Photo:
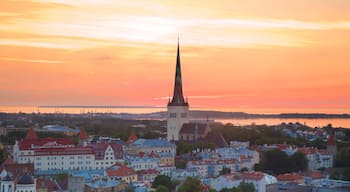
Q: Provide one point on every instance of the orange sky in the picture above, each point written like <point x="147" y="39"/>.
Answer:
<point x="234" y="53"/>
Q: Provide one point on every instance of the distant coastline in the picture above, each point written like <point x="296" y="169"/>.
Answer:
<point x="98" y="106"/>
<point x="243" y="115"/>
<point x="160" y="112"/>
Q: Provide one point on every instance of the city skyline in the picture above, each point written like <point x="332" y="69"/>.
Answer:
<point x="234" y="54"/>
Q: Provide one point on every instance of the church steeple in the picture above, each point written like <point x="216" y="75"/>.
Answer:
<point x="178" y="98"/>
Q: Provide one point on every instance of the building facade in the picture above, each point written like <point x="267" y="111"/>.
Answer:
<point x="178" y="108"/>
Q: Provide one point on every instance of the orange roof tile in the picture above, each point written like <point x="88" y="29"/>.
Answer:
<point x="8" y="161"/>
<point x="83" y="134"/>
<point x="132" y="137"/>
<point x="289" y="177"/>
<point x="31" y="134"/>
<point x="119" y="170"/>
<point x="252" y="175"/>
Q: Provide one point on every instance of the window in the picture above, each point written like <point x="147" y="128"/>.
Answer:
<point x="172" y="115"/>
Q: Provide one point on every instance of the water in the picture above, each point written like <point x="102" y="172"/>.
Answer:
<point x="79" y="110"/>
<point x="141" y="109"/>
<point x="344" y="123"/>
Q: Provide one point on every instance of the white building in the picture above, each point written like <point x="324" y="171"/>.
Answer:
<point x="142" y="163"/>
<point x="234" y="179"/>
<point x="54" y="155"/>
<point x="182" y="174"/>
<point x="317" y="158"/>
<point x="212" y="167"/>
<point x="25" y="183"/>
<point x="247" y="158"/>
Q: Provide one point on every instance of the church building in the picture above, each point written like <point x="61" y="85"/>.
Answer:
<point x="179" y="126"/>
<point x="177" y="107"/>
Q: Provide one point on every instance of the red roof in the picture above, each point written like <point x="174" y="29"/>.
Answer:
<point x="149" y="171"/>
<point x="331" y="140"/>
<point x="132" y="137"/>
<point x="64" y="151"/>
<point x="283" y="146"/>
<point x="211" y="161"/>
<point x="323" y="152"/>
<point x="31" y="134"/>
<point x="8" y="161"/>
<point x="252" y="175"/>
<point x="100" y="149"/>
<point x="307" y="150"/>
<point x="28" y="144"/>
<point x="119" y="170"/>
<point x="315" y="174"/>
<point x="232" y="177"/>
<point x="192" y="128"/>
<point x="289" y="177"/>
<point x="83" y="135"/>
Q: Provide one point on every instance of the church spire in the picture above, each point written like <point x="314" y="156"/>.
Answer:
<point x="178" y="98"/>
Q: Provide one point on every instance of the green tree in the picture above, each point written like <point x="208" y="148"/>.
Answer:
<point x="298" y="162"/>
<point x="343" y="158"/>
<point x="246" y="187"/>
<point x="162" y="180"/>
<point x="225" y="171"/>
<point x="162" y="188"/>
<point x="191" y="184"/>
<point x="259" y="167"/>
<point x="180" y="164"/>
<point x="183" y="148"/>
<point x="244" y="169"/>
<point x="2" y="156"/>
<point x="129" y="189"/>
<point x="276" y="161"/>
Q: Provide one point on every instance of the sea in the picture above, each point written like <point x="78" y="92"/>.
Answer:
<point x="336" y="122"/>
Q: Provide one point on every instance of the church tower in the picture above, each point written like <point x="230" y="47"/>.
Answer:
<point x="177" y="107"/>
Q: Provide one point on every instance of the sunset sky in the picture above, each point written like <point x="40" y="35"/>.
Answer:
<point x="234" y="53"/>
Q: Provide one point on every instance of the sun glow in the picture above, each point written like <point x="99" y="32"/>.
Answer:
<point x="233" y="53"/>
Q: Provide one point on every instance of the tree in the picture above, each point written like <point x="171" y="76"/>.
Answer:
<point x="180" y="164"/>
<point x="276" y="161"/>
<point x="162" y="180"/>
<point x="183" y="148"/>
<point x="225" y="171"/>
<point x="246" y="187"/>
<point x="2" y="156"/>
<point x="162" y="188"/>
<point x="129" y="189"/>
<point x="191" y="184"/>
<point x="259" y="167"/>
<point x="244" y="169"/>
<point x="343" y="158"/>
<point x="298" y="162"/>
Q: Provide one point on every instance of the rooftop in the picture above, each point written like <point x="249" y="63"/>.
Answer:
<point x="153" y="143"/>
<point x="119" y="170"/>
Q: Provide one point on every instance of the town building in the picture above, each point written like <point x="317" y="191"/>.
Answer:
<point x="212" y="167"/>
<point x="182" y="174"/>
<point x="148" y="175"/>
<point x="178" y="108"/>
<point x="122" y="172"/>
<point x="163" y="148"/>
<point x="233" y="180"/>
<point x="56" y="155"/>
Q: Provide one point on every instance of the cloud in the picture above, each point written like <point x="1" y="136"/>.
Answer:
<point x="206" y="96"/>
<point x="87" y="28"/>
<point x="31" y="60"/>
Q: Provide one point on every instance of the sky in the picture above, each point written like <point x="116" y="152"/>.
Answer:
<point x="234" y="53"/>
